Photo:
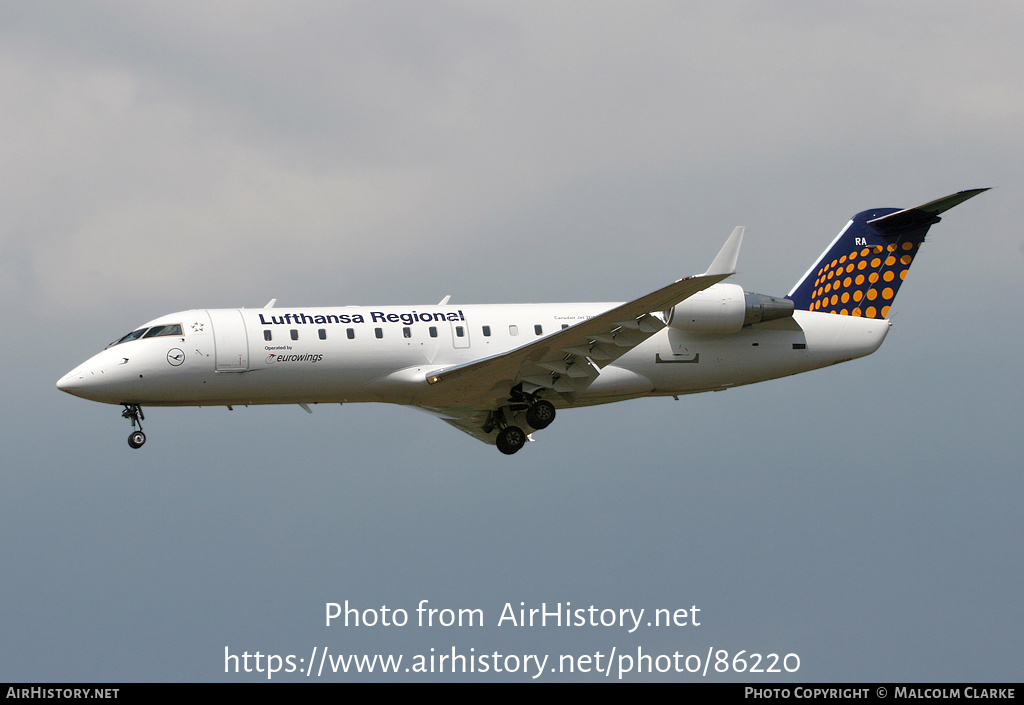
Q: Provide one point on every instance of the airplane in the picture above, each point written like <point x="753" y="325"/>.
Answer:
<point x="501" y="372"/>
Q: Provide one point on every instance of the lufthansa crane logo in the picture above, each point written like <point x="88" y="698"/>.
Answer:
<point x="175" y="356"/>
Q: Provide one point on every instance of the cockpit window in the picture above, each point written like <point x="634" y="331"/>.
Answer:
<point x="171" y="329"/>
<point x="156" y="331"/>
<point x="134" y="335"/>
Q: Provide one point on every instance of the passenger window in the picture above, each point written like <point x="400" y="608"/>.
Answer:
<point x="433" y="331"/>
<point x="322" y="333"/>
<point x="407" y="332"/>
<point x="487" y="331"/>
<point x="351" y="333"/>
<point x="379" y="332"/>
<point x="460" y="332"/>
<point x="539" y="330"/>
<point x="564" y="326"/>
<point x="295" y="334"/>
<point x="268" y="335"/>
<point x="513" y="330"/>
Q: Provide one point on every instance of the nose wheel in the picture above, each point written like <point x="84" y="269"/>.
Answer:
<point x="133" y="412"/>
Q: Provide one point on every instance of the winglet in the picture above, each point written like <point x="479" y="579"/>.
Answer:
<point x="725" y="262"/>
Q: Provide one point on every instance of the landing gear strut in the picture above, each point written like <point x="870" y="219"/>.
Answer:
<point x="133" y="412"/>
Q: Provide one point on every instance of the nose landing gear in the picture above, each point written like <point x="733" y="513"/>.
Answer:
<point x="133" y="412"/>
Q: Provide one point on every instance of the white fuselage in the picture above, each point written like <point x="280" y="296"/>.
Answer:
<point x="384" y="354"/>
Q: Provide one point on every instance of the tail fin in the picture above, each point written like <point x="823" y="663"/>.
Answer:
<point x="861" y="271"/>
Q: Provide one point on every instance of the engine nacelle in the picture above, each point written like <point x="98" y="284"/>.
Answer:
<point x="726" y="308"/>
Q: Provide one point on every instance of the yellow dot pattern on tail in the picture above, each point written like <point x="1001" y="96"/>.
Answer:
<point x="864" y="281"/>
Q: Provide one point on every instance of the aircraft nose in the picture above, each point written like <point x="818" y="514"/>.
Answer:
<point x="73" y="382"/>
<point x="87" y="381"/>
<point x="101" y="378"/>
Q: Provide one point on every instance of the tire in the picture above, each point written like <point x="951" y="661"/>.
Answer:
<point x="136" y="439"/>
<point x="511" y="439"/>
<point x="541" y="414"/>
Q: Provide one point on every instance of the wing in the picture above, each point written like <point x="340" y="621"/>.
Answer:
<point x="567" y="361"/>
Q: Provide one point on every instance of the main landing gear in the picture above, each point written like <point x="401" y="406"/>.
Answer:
<point x="134" y="413"/>
<point x="539" y="414"/>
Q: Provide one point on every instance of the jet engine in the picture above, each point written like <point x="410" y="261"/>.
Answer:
<point x="726" y="308"/>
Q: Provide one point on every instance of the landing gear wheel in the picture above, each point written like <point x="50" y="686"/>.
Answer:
<point x="133" y="412"/>
<point x="511" y="439"/>
<point x="541" y="414"/>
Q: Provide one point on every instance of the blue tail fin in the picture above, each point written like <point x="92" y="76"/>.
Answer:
<point x="861" y="271"/>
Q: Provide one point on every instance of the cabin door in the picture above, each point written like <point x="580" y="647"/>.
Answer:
<point x="230" y="340"/>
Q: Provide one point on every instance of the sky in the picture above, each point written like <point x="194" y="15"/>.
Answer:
<point x="158" y="157"/>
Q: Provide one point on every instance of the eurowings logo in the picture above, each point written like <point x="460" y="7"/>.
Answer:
<point x="273" y="358"/>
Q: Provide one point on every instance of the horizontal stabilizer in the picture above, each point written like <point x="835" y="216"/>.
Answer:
<point x="928" y="214"/>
